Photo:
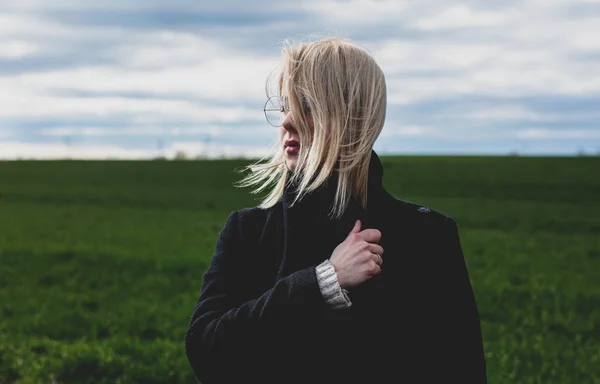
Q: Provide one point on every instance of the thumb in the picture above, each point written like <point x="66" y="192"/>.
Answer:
<point x="356" y="228"/>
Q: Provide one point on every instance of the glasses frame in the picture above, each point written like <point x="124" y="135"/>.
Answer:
<point x="265" y="109"/>
<point x="305" y="106"/>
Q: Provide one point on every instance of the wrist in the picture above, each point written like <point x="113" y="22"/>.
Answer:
<point x="334" y="295"/>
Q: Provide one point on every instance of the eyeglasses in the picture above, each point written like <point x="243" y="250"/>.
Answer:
<point x="276" y="108"/>
<point x="274" y="111"/>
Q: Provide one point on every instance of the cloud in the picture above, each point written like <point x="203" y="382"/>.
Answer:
<point x="399" y="131"/>
<point x="457" y="70"/>
<point x="17" y="49"/>
<point x="45" y="151"/>
<point x="549" y="134"/>
<point x="35" y="107"/>
<point x="176" y="68"/>
<point x="461" y="16"/>
<point x="137" y="5"/>
<point x="514" y="112"/>
<point x="455" y="48"/>
<point x="361" y="12"/>
<point x="157" y="131"/>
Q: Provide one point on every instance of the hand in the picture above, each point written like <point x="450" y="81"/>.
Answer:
<point x="355" y="259"/>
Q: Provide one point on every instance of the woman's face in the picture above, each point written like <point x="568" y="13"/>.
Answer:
<point x="290" y="140"/>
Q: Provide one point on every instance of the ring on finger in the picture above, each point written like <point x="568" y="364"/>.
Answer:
<point x="379" y="259"/>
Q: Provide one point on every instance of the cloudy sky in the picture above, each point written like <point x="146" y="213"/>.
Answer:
<point x="140" y="78"/>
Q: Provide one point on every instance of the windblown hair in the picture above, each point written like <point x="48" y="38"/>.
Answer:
<point x="346" y="93"/>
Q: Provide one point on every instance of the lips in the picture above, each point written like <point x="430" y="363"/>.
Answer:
<point x="291" y="147"/>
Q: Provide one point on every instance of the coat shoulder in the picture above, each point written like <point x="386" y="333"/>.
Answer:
<point x="426" y="231"/>
<point x="414" y="213"/>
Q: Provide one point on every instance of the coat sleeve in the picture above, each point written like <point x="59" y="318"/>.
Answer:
<point x="461" y="353"/>
<point x="227" y="330"/>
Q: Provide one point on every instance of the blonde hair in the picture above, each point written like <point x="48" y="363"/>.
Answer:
<point x="346" y="91"/>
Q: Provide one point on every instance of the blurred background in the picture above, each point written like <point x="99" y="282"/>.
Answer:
<point x="124" y="124"/>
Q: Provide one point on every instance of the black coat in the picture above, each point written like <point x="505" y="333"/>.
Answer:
<point x="261" y="318"/>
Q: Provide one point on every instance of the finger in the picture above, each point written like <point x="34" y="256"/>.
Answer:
<point x="370" y="235"/>
<point x="374" y="270"/>
<point x="377" y="269"/>
<point x="356" y="228"/>
<point x="377" y="258"/>
<point x="375" y="248"/>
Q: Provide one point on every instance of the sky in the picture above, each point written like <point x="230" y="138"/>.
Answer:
<point x="147" y="78"/>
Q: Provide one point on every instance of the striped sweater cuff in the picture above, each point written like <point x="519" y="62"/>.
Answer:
<point x="334" y="295"/>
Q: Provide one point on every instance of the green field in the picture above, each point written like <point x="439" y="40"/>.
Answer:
<point x="101" y="262"/>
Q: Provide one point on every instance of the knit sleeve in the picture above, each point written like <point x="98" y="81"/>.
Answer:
<point x="335" y="296"/>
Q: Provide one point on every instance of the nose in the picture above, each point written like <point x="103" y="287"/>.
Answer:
<point x="288" y="122"/>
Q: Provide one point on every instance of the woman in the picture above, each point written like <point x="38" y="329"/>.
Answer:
<point x="298" y="289"/>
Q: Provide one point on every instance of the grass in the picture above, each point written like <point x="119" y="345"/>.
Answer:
<point x="101" y="262"/>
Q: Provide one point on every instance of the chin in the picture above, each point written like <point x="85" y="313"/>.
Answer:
<point x="291" y="164"/>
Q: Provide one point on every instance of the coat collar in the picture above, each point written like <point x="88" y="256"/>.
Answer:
<point x="318" y="203"/>
<point x="309" y="234"/>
